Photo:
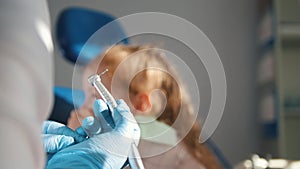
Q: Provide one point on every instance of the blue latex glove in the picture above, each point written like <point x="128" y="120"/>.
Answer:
<point x="103" y="121"/>
<point x="107" y="150"/>
<point x="57" y="136"/>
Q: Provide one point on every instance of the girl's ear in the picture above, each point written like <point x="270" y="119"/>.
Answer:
<point x="142" y="102"/>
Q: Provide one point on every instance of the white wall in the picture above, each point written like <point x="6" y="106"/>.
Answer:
<point x="230" y="25"/>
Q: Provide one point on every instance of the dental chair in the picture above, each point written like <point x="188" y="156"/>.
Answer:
<point x="76" y="25"/>
<point x="71" y="38"/>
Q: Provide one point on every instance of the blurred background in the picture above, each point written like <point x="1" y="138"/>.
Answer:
<point x="259" y="45"/>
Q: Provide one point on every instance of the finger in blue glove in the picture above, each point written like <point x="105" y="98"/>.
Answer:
<point x="52" y="127"/>
<point x="104" y="115"/>
<point x="91" y="126"/>
<point x="125" y="121"/>
<point x="101" y="123"/>
<point x="53" y="143"/>
<point x="81" y="132"/>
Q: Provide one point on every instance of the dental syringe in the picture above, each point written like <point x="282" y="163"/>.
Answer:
<point x="95" y="80"/>
<point x="135" y="160"/>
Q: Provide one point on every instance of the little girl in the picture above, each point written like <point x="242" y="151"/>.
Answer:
<point x="169" y="132"/>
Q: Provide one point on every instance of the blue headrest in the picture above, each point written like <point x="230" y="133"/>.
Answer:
<point x="68" y="94"/>
<point x="76" y="25"/>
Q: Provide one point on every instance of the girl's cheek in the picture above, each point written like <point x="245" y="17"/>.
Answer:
<point x="73" y="121"/>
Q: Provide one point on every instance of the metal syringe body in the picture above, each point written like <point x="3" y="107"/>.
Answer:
<point x="95" y="80"/>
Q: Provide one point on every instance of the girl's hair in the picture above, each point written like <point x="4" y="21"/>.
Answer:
<point x="160" y="77"/>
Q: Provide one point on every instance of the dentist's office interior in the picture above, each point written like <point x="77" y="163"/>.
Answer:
<point x="152" y="84"/>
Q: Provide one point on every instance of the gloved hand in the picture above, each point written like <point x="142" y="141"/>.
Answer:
<point x="107" y="150"/>
<point x="57" y="136"/>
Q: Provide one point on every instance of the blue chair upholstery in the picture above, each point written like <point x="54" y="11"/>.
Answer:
<point x="72" y="96"/>
<point x="76" y="25"/>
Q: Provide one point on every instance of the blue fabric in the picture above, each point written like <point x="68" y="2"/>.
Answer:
<point x="89" y="52"/>
<point x="76" y="25"/>
<point x="72" y="96"/>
